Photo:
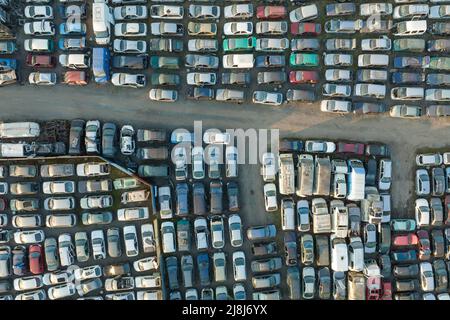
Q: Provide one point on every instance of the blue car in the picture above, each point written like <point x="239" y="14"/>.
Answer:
<point x="66" y="29"/>
<point x="203" y="269"/>
<point x="409" y="62"/>
<point x="8" y="64"/>
<point x="407" y="77"/>
<point x="404" y="256"/>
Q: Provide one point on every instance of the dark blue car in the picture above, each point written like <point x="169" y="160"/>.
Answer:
<point x="203" y="269"/>
<point x="407" y="77"/>
<point x="404" y="256"/>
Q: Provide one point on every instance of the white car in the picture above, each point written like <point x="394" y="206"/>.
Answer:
<point x="439" y="12"/>
<point x="121" y="79"/>
<point x="59" y="277"/>
<point x="98" y="244"/>
<point x="42" y="78"/>
<point x="39" y="28"/>
<point x="130" y="12"/>
<point x="146" y="264"/>
<point x="92" y="169"/>
<point x="337" y="59"/>
<point x="376" y="44"/>
<point x="201" y="78"/>
<point x="168" y="237"/>
<point x="163" y="95"/>
<point x="148" y="237"/>
<point x="217" y="232"/>
<point x="150" y="281"/>
<point x="213" y="159"/>
<point x="428" y="159"/>
<point x="201" y="233"/>
<point x="62" y="291"/>
<point x="32" y="295"/>
<point x="303" y="212"/>
<point x="89" y="272"/>
<point x="338" y="75"/>
<point x="235" y="229"/>
<point x="58" y="187"/>
<point x="127" y="143"/>
<point x="316" y="146"/>
<point x="370" y="238"/>
<point x="377" y="8"/>
<point x="92" y="137"/>
<point x="28" y="283"/>
<point x="304" y="13"/>
<point x="268" y="98"/>
<point x="422" y="212"/>
<point x="129" y="46"/>
<point x="96" y="202"/>
<point x="198" y="164"/>
<point x="167" y="29"/>
<point x="239" y="268"/>
<point x="241" y="11"/>
<point x="237" y="28"/>
<point x="426" y="277"/>
<point x="339" y="254"/>
<point x="407" y="11"/>
<point x="131" y="29"/>
<point x="203" y="45"/>
<point x="287" y="214"/>
<point x="271" y="44"/>
<point x="370" y="90"/>
<point x="268" y="167"/>
<point x="132" y="214"/>
<point x="38" y="12"/>
<point x="336" y="90"/>
<point x="29" y="237"/>
<point x="197" y="11"/>
<point x="179" y="157"/>
<point x="162" y="11"/>
<point x="270" y="197"/>
<point x="213" y="137"/>
<point x="131" y="241"/>
<point x="336" y="106"/>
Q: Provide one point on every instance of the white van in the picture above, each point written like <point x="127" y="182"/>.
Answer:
<point x="385" y="174"/>
<point x="19" y="130"/>
<point x="238" y="61"/>
<point x="356" y="180"/>
<point x="408" y="28"/>
<point x="102" y="19"/>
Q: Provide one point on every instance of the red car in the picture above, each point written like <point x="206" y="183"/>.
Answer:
<point x="424" y="245"/>
<point x="303" y="77"/>
<point x="35" y="258"/>
<point x="40" y="61"/>
<point x="350" y="147"/>
<point x="409" y="239"/>
<point x="373" y="285"/>
<point x="387" y="290"/>
<point x="271" y="12"/>
<point x="310" y="28"/>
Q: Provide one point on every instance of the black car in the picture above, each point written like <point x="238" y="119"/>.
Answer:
<point x="200" y="93"/>
<point x="371" y="172"/>
<point x="406" y="271"/>
<point x="295" y="95"/>
<point x="166" y="45"/>
<point x="199" y="198"/>
<point x="369" y="108"/>
<point x="270" y="61"/>
<point x="377" y="150"/>
<point x="233" y="196"/>
<point x="440" y="276"/>
<point x="130" y="62"/>
<point x="172" y="272"/>
<point x="437" y="243"/>
<point x="286" y="145"/>
<point x="237" y="78"/>
<point x="75" y="136"/>
<point x="182" y="191"/>
<point x="271" y="77"/>
<point x="262" y="249"/>
<point x="324" y="283"/>
<point x="290" y="248"/>
<point x="407" y="77"/>
<point x="385" y="265"/>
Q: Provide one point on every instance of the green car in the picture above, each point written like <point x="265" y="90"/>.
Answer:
<point x="164" y="62"/>
<point x="304" y="60"/>
<point x="440" y="63"/>
<point x="239" y="44"/>
<point x="126" y="183"/>
<point x="403" y="225"/>
<point x="415" y="45"/>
